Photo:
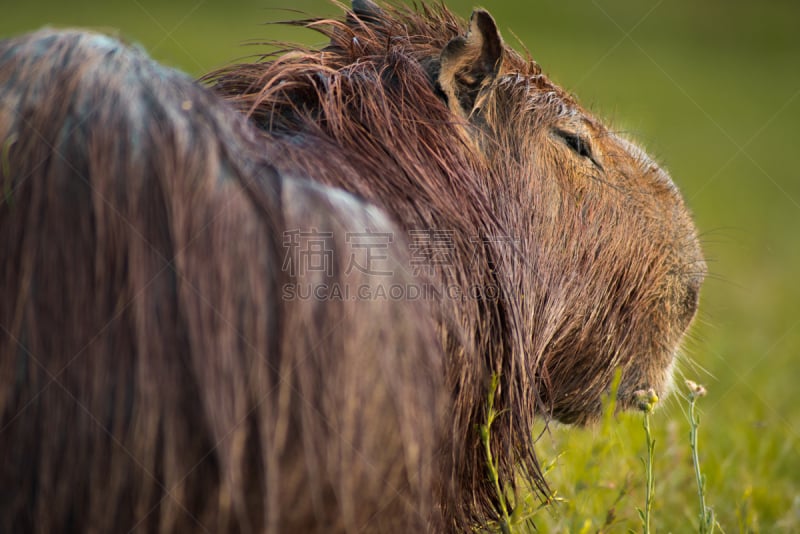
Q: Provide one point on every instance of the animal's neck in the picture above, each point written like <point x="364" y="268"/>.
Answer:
<point x="410" y="157"/>
<point x="405" y="167"/>
<point x="396" y="144"/>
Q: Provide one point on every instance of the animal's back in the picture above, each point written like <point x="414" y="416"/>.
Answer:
<point x="153" y="377"/>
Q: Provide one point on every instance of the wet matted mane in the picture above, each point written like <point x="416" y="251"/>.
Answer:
<point x="586" y="240"/>
<point x="152" y="377"/>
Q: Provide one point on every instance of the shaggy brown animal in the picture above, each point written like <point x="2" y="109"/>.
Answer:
<point x="152" y="379"/>
<point x="585" y="237"/>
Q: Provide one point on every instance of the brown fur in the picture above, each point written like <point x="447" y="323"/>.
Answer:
<point x="152" y="379"/>
<point x="450" y="129"/>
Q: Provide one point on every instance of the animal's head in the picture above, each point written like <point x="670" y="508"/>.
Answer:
<point x="442" y="123"/>
<point x="610" y="265"/>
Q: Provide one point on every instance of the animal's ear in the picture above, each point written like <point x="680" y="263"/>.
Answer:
<point x="469" y="64"/>
<point x="367" y="10"/>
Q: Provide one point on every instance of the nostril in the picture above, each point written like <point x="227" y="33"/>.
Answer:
<point x="691" y="299"/>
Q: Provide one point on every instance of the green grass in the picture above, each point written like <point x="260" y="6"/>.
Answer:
<point x="710" y="88"/>
<point x="602" y="489"/>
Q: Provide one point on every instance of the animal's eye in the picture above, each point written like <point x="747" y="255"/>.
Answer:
<point x="578" y="144"/>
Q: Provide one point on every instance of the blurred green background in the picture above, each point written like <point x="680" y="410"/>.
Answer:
<point x="712" y="89"/>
